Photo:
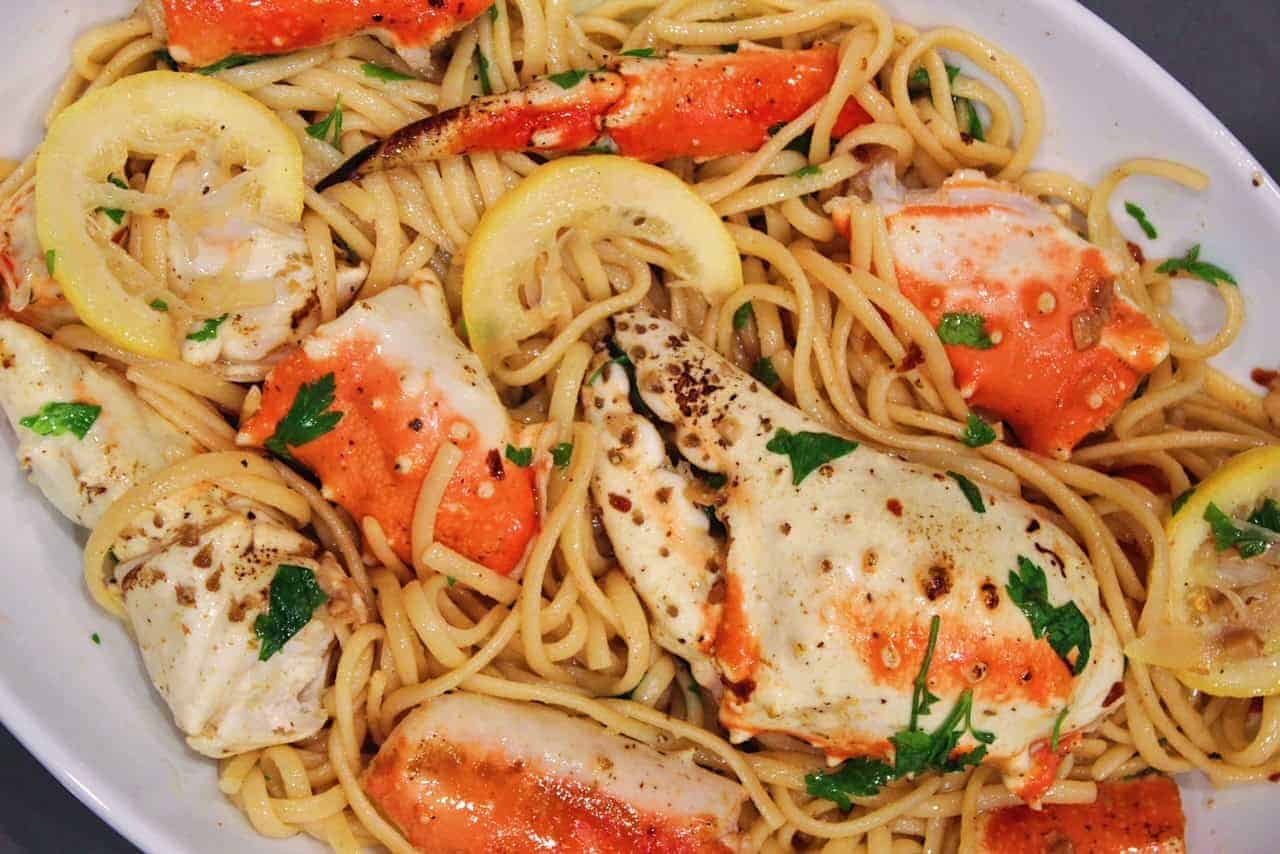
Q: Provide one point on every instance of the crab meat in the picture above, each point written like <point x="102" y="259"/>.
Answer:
<point x="201" y="32"/>
<point x="196" y="575"/>
<point x="1134" y="815"/>
<point x="30" y="294"/>
<point x="830" y="586"/>
<point x="1066" y="349"/>
<point x="652" y="109"/>
<point x="405" y="386"/>
<point x="127" y="441"/>
<point x="469" y="773"/>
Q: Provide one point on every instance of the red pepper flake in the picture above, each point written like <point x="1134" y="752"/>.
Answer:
<point x="1264" y="376"/>
<point x="619" y="502"/>
<point x="895" y="506"/>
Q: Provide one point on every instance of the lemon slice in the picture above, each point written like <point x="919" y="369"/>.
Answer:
<point x="1237" y="489"/>
<point x="147" y="114"/>
<point x="610" y="196"/>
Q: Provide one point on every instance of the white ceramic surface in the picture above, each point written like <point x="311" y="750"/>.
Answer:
<point x="88" y="712"/>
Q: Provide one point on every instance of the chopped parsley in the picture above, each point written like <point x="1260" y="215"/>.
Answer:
<point x="604" y="146"/>
<point x="977" y="432"/>
<point x="166" y="58"/>
<point x="208" y="330"/>
<point x="766" y="373"/>
<point x="861" y="777"/>
<point x="308" y="418"/>
<point x="808" y="451"/>
<point x="235" y="60"/>
<point x="800" y="144"/>
<point x="619" y="357"/>
<point x="51" y="260"/>
<point x="805" y="171"/>
<point x="94" y="637"/>
<point x="568" y="79"/>
<point x="295" y="595"/>
<point x="643" y="52"/>
<point x="1141" y="216"/>
<point x="562" y="454"/>
<point x="970" y="122"/>
<point x="381" y="72"/>
<point x="482" y="62"/>
<point x="1181" y="500"/>
<point x="742" y="315"/>
<point x="919" y="84"/>
<point x="329" y="129"/>
<point x="159" y="304"/>
<point x="54" y="419"/>
<point x="522" y="457"/>
<point x="1193" y="266"/>
<point x="965" y="330"/>
<point x="1064" y="625"/>
<point x="970" y="490"/>
<point x="116" y="214"/>
<point x="713" y="479"/>
<point x="1251" y="540"/>
<point x="1057" y="728"/>
<point x="493" y="13"/>
<point x="451" y="580"/>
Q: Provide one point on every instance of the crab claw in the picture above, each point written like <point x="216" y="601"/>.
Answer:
<point x="838" y="560"/>
<point x="1052" y="347"/>
<point x="404" y="386"/>
<point x="201" y="32"/>
<point x="651" y="109"/>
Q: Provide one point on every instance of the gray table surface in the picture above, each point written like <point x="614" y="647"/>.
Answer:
<point x="1227" y="56"/>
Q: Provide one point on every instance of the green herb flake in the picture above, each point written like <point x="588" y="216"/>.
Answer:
<point x="1064" y="625"/>
<point x="1057" y="728"/>
<point x="1267" y="515"/>
<point x="919" y="82"/>
<point x="617" y="356"/>
<point x="208" y="330"/>
<point x="977" y="432"/>
<point x="1193" y="266"/>
<point x="713" y="479"/>
<point x="965" y="330"/>
<point x="482" y="62"/>
<point x="808" y="451"/>
<point x="295" y="595"/>
<point x="308" y="418"/>
<point x="522" y="457"/>
<point x="568" y="79"/>
<point x="766" y="373"/>
<point x="159" y="304"/>
<point x="51" y="260"/>
<point x="451" y="580"/>
<point x="166" y="59"/>
<point x="116" y="215"/>
<point x="97" y="640"/>
<point x="381" y="72"/>
<point x="1250" y="542"/>
<point x="742" y="315"/>
<point x="805" y="171"/>
<point x="1141" y="216"/>
<point x="695" y="689"/>
<point x="970" y="122"/>
<point x="55" y="419"/>
<point x="329" y="129"/>
<point x="642" y="52"/>
<point x="235" y="60"/>
<point x="1181" y="500"/>
<point x="862" y="777"/>
<point x="970" y="490"/>
<point x="493" y="13"/>
<point x="562" y="454"/>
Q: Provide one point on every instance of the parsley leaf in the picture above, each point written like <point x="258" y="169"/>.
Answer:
<point x="94" y="637"/>
<point x="159" y="304"/>
<point x="486" y="85"/>
<point x="804" y="171"/>
<point x="622" y="360"/>
<point x="1181" y="500"/>
<point x="522" y="457"/>
<point x="116" y="214"/>
<point x="562" y="454"/>
<point x="54" y="419"/>
<point x="1193" y="266"/>
<point x="766" y="373"/>
<point x="167" y="59"/>
<point x="1250" y="542"/>
<point x="1141" y="216"/>
<point x="295" y="595"/>
<point x="970" y="490"/>
<point x="859" y="778"/>
<point x="568" y="79"/>
<point x="800" y="144"/>
<point x="713" y="479"/>
<point x="1267" y="515"/>
<point x="381" y="72"/>
<point x="208" y="330"/>
<point x="922" y="699"/>
<point x="644" y="52"/>
<point x="918" y="83"/>
<point x="235" y="60"/>
<point x="977" y="432"/>
<point x="308" y="418"/>
<point x="967" y="116"/>
<point x="329" y="129"/>
<point x="808" y="450"/>
<point x="1057" y="728"/>
<point x="1063" y="625"/>
<point x="451" y="580"/>
<point x="51" y="260"/>
<point x="965" y="330"/>
<point x="743" y="314"/>
<point x="493" y="13"/>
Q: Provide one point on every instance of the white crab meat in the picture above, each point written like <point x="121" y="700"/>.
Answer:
<point x="470" y="773"/>
<point x="193" y="597"/>
<point x="227" y="259"/>
<point x="126" y="442"/>
<point x="30" y="293"/>
<point x="832" y="584"/>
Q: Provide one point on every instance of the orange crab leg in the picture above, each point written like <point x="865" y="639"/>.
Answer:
<point x="202" y="32"/>
<point x="652" y="109"/>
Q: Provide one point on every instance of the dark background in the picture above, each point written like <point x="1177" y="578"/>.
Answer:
<point x="1227" y="56"/>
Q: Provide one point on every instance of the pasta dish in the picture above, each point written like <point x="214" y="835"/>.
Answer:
<point x="627" y="425"/>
